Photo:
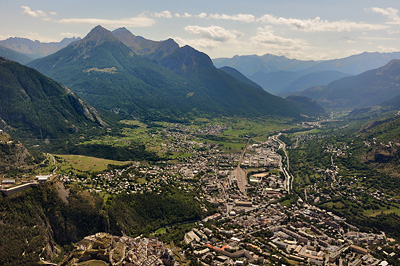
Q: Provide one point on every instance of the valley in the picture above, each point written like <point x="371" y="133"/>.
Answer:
<point x="120" y="150"/>
<point x="249" y="197"/>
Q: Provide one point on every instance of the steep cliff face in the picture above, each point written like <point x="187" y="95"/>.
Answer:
<point x="14" y="156"/>
<point x="37" y="110"/>
<point x="35" y="223"/>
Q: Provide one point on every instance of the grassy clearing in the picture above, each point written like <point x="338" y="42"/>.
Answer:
<point x="259" y="128"/>
<point x="161" y="231"/>
<point x="374" y="213"/>
<point x="311" y="131"/>
<point x="84" y="163"/>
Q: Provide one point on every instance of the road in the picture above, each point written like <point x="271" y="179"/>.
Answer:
<point x="284" y="169"/>
<point x="54" y="162"/>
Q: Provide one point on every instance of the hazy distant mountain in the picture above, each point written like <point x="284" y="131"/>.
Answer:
<point x="110" y="75"/>
<point x="239" y="76"/>
<point x="355" y="64"/>
<point x="275" y="82"/>
<point x="369" y="88"/>
<point x="251" y="64"/>
<point x="33" y="106"/>
<point x="284" y="83"/>
<point x="35" y="49"/>
<point x="280" y="75"/>
<point x="392" y="104"/>
<point x="319" y="78"/>
<point x="310" y="106"/>
<point x="14" y="56"/>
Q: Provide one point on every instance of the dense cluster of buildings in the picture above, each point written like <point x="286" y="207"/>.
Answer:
<point x="274" y="235"/>
<point x="251" y="226"/>
<point x="105" y="249"/>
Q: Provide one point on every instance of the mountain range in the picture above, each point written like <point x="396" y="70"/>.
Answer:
<point x="372" y="87"/>
<point x="283" y="76"/>
<point x="131" y="75"/>
<point x="252" y="64"/>
<point x="35" y="49"/>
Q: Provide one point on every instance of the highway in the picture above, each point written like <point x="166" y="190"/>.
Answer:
<point x="284" y="169"/>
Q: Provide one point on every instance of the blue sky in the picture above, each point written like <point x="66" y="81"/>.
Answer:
<point x="303" y="29"/>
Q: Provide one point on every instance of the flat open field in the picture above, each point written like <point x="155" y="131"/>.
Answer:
<point x="84" y="163"/>
<point x="373" y="213"/>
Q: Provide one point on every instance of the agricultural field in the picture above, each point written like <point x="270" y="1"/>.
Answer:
<point x="384" y="210"/>
<point x="80" y="163"/>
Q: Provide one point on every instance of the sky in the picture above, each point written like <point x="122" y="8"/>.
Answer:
<point x="301" y="29"/>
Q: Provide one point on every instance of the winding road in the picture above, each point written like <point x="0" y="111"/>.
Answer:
<point x="285" y="170"/>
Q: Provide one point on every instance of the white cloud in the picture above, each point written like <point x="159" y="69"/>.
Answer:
<point x="202" y="15"/>
<point x="393" y="31"/>
<point x="185" y="15"/>
<point x="200" y="44"/>
<point x="383" y="49"/>
<point x="391" y="13"/>
<point x="128" y="22"/>
<point x="378" y="38"/>
<point x="239" y="17"/>
<point x="36" y="36"/>
<point x="34" y="14"/>
<point x="215" y="33"/>
<point x="265" y="37"/>
<point x="69" y="35"/>
<point x="163" y="14"/>
<point x="37" y="13"/>
<point x="318" y="24"/>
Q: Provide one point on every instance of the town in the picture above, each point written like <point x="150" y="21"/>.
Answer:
<point x="254" y="224"/>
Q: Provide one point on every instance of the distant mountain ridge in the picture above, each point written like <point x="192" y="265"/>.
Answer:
<point x="235" y="73"/>
<point x="311" y="80"/>
<point x="369" y="88"/>
<point x="308" y="104"/>
<point x="353" y="65"/>
<point x="15" y="56"/>
<point x="158" y="80"/>
<point x="251" y="64"/>
<point x="356" y="64"/>
<point x="35" y="49"/>
<point x="280" y="75"/>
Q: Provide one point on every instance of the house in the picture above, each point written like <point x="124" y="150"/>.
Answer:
<point x="43" y="178"/>
<point x="8" y="182"/>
